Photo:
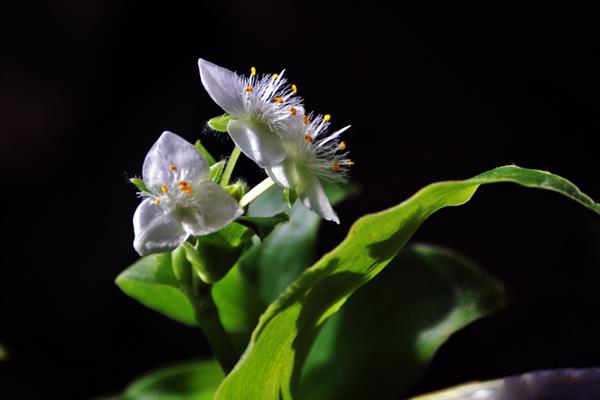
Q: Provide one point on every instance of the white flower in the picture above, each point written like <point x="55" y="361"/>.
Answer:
<point x="182" y="199"/>
<point x="312" y="155"/>
<point x="258" y="106"/>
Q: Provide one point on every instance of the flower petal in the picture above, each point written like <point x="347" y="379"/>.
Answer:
<point x="257" y="141"/>
<point x="156" y="231"/>
<point x="171" y="151"/>
<point x="313" y="196"/>
<point x="213" y="209"/>
<point x="223" y="86"/>
<point x="283" y="174"/>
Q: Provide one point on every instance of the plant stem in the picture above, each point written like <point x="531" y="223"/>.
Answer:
<point x="235" y="154"/>
<point x="256" y="191"/>
<point x="208" y="319"/>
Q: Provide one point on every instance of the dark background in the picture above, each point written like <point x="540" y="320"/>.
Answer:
<point x="434" y="91"/>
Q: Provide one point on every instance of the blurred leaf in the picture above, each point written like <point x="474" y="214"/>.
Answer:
<point x="216" y="171"/>
<point x="189" y="381"/>
<point x="272" y="363"/>
<point x="213" y="255"/>
<point x="381" y="340"/>
<point x="3" y="352"/>
<point x="151" y="281"/>
<point x="262" y="226"/>
<point x="557" y="384"/>
<point x="275" y="262"/>
<point x="239" y="307"/>
<point x="139" y="184"/>
<point x="290" y="196"/>
<point x="200" y="147"/>
<point x="219" y="123"/>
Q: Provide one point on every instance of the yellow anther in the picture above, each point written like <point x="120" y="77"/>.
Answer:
<point x="305" y="119"/>
<point x="248" y="89"/>
<point x="164" y="189"/>
<point x="172" y="167"/>
<point x="294" y="89"/>
<point x="349" y="163"/>
<point x="336" y="166"/>
<point x="326" y="117"/>
<point x="308" y="138"/>
<point x="157" y="201"/>
<point x="252" y="71"/>
<point x="185" y="187"/>
<point x="275" y="76"/>
<point x="278" y="100"/>
<point x="342" y="146"/>
<point x="293" y="111"/>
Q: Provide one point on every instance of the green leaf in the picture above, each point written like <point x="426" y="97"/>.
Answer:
<point x="213" y="255"/>
<point x="219" y="123"/>
<point x="196" y="380"/>
<point x="151" y="281"/>
<point x="572" y="383"/>
<point x="139" y="184"/>
<point x="275" y="262"/>
<point x="239" y="307"/>
<point x="216" y="171"/>
<point x="272" y="363"/>
<point x="382" y="339"/>
<point x="200" y="147"/>
<point x="290" y="196"/>
<point x="262" y="226"/>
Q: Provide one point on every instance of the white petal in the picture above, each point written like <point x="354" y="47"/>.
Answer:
<point x="213" y="209"/>
<point x="156" y="231"/>
<point x="256" y="141"/>
<point x="172" y="150"/>
<point x="313" y="196"/>
<point x="282" y="174"/>
<point x="223" y="86"/>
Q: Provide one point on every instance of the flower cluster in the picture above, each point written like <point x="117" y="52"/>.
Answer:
<point x="269" y="124"/>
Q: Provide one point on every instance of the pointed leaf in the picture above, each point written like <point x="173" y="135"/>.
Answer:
<point x="262" y="226"/>
<point x="272" y="363"/>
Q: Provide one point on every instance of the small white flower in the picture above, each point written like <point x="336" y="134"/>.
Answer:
<point x="258" y="106"/>
<point x="312" y="155"/>
<point x="182" y="199"/>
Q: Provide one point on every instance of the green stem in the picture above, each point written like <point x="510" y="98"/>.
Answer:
<point x="256" y="191"/>
<point x="235" y="154"/>
<point x="208" y="319"/>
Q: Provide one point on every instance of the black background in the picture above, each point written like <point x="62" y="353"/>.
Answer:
<point x="433" y="91"/>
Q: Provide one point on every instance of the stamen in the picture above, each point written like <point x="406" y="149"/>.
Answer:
<point x="326" y="117"/>
<point x="336" y="166"/>
<point x="275" y="76"/>
<point x="293" y="111"/>
<point x="305" y="119"/>
<point x="248" y="89"/>
<point x="349" y="163"/>
<point x="252" y="71"/>
<point x="157" y="201"/>
<point x="278" y="100"/>
<point x="342" y="146"/>
<point x="164" y="189"/>
<point x="308" y="138"/>
<point x="294" y="88"/>
<point x="172" y="167"/>
<point x="185" y="187"/>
